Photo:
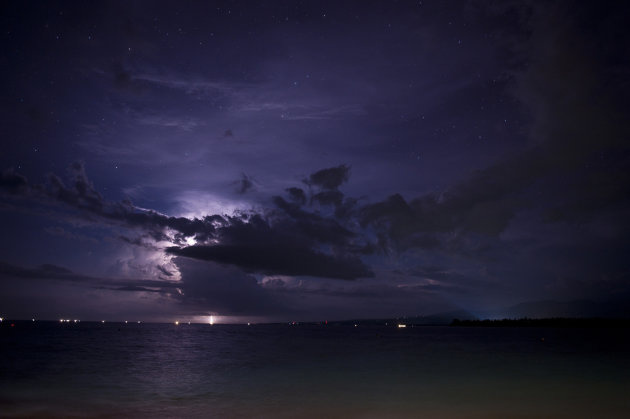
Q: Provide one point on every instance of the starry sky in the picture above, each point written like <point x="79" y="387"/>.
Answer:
<point x="302" y="160"/>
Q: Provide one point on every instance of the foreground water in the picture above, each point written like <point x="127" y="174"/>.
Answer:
<point x="280" y="371"/>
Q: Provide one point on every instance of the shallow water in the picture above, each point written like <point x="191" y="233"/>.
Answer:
<point x="49" y="369"/>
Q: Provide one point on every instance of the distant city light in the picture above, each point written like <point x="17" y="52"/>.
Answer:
<point x="176" y="322"/>
<point x="211" y="320"/>
<point x="102" y="321"/>
<point x="401" y="326"/>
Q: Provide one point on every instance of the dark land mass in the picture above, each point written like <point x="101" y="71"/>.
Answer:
<point x="550" y="322"/>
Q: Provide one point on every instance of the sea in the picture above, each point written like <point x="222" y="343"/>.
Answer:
<point x="118" y="370"/>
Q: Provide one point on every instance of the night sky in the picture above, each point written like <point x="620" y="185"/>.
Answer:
<point x="312" y="160"/>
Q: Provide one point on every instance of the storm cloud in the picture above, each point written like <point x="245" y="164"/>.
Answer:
<point x="325" y="158"/>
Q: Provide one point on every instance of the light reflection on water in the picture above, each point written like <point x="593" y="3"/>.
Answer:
<point x="110" y="370"/>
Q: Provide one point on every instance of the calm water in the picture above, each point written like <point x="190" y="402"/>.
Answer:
<point x="159" y="370"/>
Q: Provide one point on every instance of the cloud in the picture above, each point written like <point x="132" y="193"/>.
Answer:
<point x="577" y="134"/>
<point x="226" y="290"/>
<point x="83" y="196"/>
<point x="266" y="98"/>
<point x="330" y="178"/>
<point x="315" y="112"/>
<point x="46" y="271"/>
<point x="276" y="259"/>
<point x="60" y="232"/>
<point x="189" y="85"/>
<point x="13" y="182"/>
<point x="297" y="195"/>
<point x="164" y="270"/>
<point x="283" y="240"/>
<point x="50" y="291"/>
<point x="50" y="272"/>
<point x="245" y="184"/>
<point x="183" y="123"/>
<point x="133" y="288"/>
<point x="312" y="226"/>
<point x="285" y="244"/>
<point x="327" y="197"/>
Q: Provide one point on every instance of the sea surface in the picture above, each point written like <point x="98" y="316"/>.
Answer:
<point x="50" y="369"/>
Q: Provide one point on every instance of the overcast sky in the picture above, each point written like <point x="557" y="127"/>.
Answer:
<point x="311" y="160"/>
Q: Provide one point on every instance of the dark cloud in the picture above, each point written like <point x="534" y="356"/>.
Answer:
<point x="122" y="77"/>
<point x="312" y="226"/>
<point x="60" y="232"/>
<point x="134" y="288"/>
<point x="50" y="272"/>
<point x="576" y="125"/>
<point x="245" y="184"/>
<point x="286" y="242"/>
<point x="351" y="299"/>
<point x="226" y="290"/>
<point x="594" y="191"/>
<point x="330" y="178"/>
<point x="483" y="204"/>
<point x="46" y="271"/>
<point x="297" y="195"/>
<point x="81" y="193"/>
<point x="83" y="196"/>
<point x="331" y="197"/>
<point x="13" y="182"/>
<point x="275" y="259"/>
<point x="480" y="139"/>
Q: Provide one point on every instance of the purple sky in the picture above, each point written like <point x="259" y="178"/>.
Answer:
<point x="311" y="160"/>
